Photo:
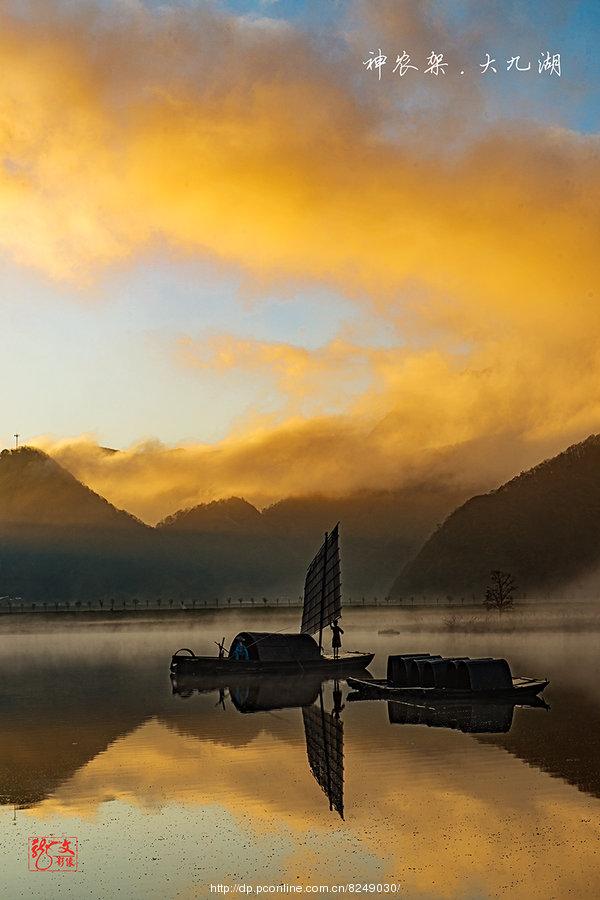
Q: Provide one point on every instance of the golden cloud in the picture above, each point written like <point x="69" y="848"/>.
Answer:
<point x="427" y="417"/>
<point x="244" y="141"/>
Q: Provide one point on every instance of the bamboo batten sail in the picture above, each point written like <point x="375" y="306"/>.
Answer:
<point x="323" y="589"/>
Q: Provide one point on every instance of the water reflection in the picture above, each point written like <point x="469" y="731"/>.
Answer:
<point x="471" y="716"/>
<point x="253" y="693"/>
<point x="81" y="707"/>
<point x="258" y="772"/>
<point x="324" y="731"/>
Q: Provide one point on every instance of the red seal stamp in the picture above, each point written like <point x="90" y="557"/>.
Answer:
<point x="52" y="854"/>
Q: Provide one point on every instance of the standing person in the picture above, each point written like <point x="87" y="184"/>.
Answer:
<point x="336" y="639"/>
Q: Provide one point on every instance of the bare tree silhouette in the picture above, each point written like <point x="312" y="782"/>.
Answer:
<point x="499" y="593"/>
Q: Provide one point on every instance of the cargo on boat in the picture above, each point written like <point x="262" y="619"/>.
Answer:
<point x="253" y="652"/>
<point x="422" y="675"/>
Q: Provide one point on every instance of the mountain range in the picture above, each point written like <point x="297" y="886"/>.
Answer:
<point x="60" y="541"/>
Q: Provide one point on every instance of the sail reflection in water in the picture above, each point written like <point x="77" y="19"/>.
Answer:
<point x="324" y="732"/>
<point x="325" y="748"/>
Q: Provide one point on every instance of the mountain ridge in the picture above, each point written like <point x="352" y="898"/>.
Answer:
<point x="34" y="486"/>
<point x="60" y="539"/>
<point x="540" y="526"/>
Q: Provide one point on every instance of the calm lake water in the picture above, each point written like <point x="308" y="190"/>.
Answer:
<point x="168" y="793"/>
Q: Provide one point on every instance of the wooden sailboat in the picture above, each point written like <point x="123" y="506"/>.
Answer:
<point x="447" y="679"/>
<point x="253" y="652"/>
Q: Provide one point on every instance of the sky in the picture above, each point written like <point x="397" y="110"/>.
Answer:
<point x="231" y="251"/>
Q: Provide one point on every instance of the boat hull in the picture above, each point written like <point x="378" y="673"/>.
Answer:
<point x="381" y="689"/>
<point x="232" y="668"/>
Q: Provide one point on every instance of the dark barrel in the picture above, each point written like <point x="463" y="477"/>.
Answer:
<point x="482" y="675"/>
<point x="436" y="673"/>
<point x="416" y="670"/>
<point x="397" y="667"/>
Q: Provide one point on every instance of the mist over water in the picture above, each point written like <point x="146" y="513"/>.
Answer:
<point x="168" y="793"/>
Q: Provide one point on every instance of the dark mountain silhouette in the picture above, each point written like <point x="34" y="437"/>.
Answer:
<point x="542" y="526"/>
<point x="241" y="558"/>
<point x="36" y="489"/>
<point x="221" y="516"/>
<point x="267" y="552"/>
<point x="60" y="541"/>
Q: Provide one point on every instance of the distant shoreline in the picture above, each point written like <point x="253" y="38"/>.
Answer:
<point x="529" y="616"/>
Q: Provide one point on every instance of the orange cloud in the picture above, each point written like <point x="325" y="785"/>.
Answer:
<point x="243" y="141"/>
<point x="306" y="381"/>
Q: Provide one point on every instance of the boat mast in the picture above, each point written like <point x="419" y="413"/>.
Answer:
<point x="323" y="586"/>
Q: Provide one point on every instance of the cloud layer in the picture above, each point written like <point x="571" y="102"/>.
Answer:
<point x="245" y="141"/>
